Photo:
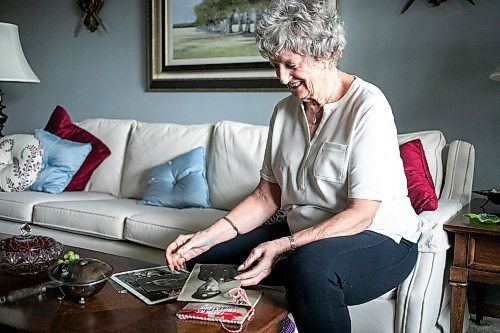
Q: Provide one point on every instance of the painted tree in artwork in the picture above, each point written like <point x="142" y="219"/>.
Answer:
<point x="221" y="16"/>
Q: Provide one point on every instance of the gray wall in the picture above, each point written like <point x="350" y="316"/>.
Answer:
<point x="432" y="63"/>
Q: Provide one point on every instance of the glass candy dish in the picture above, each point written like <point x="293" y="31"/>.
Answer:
<point x="27" y="254"/>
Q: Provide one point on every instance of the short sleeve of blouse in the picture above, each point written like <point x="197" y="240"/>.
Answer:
<point x="266" y="172"/>
<point x="375" y="168"/>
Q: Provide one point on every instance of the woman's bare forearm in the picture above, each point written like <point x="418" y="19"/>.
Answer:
<point x="356" y="218"/>
<point x="248" y="214"/>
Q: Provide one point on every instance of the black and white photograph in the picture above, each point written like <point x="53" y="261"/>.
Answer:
<point x="210" y="283"/>
<point x="152" y="285"/>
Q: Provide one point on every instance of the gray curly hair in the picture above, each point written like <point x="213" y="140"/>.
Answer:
<point x="305" y="27"/>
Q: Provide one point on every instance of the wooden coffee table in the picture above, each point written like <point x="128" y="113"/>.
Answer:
<point x="110" y="311"/>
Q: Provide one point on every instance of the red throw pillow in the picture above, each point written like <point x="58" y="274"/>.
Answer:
<point x="60" y="124"/>
<point x="418" y="178"/>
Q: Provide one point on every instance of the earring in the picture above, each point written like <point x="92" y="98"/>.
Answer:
<point x="324" y="65"/>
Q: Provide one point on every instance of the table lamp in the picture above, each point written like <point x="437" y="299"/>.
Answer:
<point x="13" y="64"/>
<point x="495" y="75"/>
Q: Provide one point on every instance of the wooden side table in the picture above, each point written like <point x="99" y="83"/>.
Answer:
<point x="475" y="257"/>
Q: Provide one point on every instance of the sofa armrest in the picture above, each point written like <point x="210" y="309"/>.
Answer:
<point x="459" y="171"/>
<point x="423" y="299"/>
<point x="419" y="296"/>
<point x="433" y="237"/>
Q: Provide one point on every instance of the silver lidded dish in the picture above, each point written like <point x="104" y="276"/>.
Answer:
<point x="28" y="255"/>
<point x="81" y="278"/>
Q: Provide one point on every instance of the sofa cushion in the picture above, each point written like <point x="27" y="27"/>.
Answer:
<point x="234" y="163"/>
<point x="161" y="227"/>
<point x="433" y="142"/>
<point x="179" y="183"/>
<point x="418" y="178"/>
<point x="154" y="144"/>
<point x="60" y="124"/>
<point x="382" y="312"/>
<point x="18" y="206"/>
<point x="61" y="160"/>
<point x="100" y="218"/>
<point x="20" y="162"/>
<point x="114" y="134"/>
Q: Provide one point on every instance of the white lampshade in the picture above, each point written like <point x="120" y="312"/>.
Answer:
<point x="495" y="75"/>
<point x="13" y="64"/>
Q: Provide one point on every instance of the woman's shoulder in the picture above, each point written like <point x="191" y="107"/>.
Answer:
<point x="368" y="89"/>
<point x="285" y="110"/>
<point x="288" y="102"/>
<point x="289" y="105"/>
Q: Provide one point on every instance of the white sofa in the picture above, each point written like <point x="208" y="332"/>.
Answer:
<point x="106" y="217"/>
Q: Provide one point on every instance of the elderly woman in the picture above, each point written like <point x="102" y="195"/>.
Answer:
<point x="332" y="162"/>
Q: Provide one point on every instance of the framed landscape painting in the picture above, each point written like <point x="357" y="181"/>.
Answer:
<point x="207" y="45"/>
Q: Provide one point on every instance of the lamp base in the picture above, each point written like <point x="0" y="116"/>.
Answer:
<point x="3" y="116"/>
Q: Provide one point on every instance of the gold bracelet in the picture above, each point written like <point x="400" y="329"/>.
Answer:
<point x="232" y="224"/>
<point x="293" y="246"/>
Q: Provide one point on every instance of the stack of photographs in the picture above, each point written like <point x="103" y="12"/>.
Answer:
<point x="152" y="285"/>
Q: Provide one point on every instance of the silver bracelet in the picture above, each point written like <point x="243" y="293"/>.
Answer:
<point x="293" y="246"/>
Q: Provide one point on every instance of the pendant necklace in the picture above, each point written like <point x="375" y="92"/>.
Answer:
<point x="315" y="115"/>
<point x="315" y="118"/>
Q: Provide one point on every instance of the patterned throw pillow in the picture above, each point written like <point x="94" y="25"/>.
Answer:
<point x="277" y="217"/>
<point x="20" y="162"/>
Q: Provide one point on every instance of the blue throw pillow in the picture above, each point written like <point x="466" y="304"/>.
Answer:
<point x="61" y="160"/>
<point x="179" y="183"/>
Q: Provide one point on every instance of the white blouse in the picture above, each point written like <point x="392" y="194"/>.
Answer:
<point x="354" y="154"/>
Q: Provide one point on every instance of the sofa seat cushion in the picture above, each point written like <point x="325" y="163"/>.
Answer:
<point x="160" y="228"/>
<point x="100" y="218"/>
<point x="381" y="310"/>
<point x="18" y="206"/>
<point x="433" y="237"/>
<point x="234" y="163"/>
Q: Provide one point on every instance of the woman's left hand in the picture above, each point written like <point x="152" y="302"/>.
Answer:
<point x="261" y="260"/>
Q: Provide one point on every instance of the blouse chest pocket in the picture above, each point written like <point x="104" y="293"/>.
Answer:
<point x="331" y="162"/>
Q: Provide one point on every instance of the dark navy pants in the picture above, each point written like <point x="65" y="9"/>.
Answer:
<point x="323" y="277"/>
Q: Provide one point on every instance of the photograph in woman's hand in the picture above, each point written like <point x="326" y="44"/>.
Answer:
<point x="210" y="283"/>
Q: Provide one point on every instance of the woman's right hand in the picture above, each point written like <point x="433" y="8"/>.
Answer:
<point x="186" y="247"/>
